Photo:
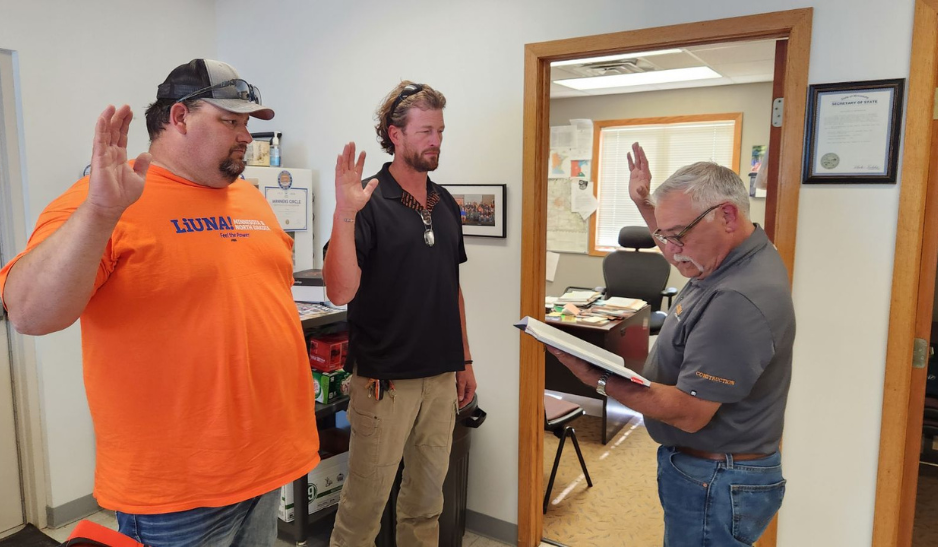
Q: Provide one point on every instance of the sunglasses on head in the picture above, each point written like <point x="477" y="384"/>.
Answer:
<point x="230" y="89"/>
<point x="409" y="89"/>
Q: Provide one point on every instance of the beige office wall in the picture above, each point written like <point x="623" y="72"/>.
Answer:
<point x="753" y="100"/>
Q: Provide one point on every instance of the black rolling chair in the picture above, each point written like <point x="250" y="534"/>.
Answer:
<point x="634" y="274"/>
<point x="557" y="414"/>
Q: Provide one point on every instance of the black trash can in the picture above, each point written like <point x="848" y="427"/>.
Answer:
<point x="455" y="486"/>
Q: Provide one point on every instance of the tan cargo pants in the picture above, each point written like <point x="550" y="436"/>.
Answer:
<point x="414" y="421"/>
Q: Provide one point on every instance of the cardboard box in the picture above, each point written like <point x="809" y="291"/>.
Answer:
<point x="327" y="352"/>
<point x="308" y="286"/>
<point x="258" y="153"/>
<point x="331" y="385"/>
<point x="324" y="490"/>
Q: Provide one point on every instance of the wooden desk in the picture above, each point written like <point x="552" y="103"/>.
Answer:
<point x="627" y="337"/>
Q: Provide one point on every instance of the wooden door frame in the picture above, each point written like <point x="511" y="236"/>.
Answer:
<point x="895" y="480"/>
<point x="795" y="25"/>
<point x="14" y="233"/>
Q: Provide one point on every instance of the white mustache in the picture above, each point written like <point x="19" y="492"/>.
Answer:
<point x="685" y="258"/>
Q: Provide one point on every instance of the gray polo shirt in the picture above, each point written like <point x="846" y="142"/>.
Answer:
<point x="728" y="338"/>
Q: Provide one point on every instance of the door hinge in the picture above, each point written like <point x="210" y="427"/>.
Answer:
<point x="778" y="108"/>
<point x="919" y="353"/>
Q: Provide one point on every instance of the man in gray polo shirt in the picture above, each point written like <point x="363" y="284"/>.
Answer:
<point x="721" y="366"/>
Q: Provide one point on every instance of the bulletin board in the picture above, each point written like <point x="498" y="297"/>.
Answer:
<point x="570" y="196"/>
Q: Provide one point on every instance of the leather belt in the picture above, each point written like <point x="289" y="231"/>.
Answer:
<point x="718" y="456"/>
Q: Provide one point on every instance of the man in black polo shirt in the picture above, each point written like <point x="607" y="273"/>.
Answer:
<point x="721" y="366"/>
<point x="394" y="258"/>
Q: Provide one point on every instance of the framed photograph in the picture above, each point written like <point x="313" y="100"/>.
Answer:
<point x="482" y="207"/>
<point x="852" y="132"/>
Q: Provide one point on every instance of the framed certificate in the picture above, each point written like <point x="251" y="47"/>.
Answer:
<point x="852" y="132"/>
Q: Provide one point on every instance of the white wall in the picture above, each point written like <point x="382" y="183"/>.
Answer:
<point x="332" y="63"/>
<point x="74" y="59"/>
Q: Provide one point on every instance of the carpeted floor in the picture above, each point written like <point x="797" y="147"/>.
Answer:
<point x="622" y="507"/>
<point x="28" y="537"/>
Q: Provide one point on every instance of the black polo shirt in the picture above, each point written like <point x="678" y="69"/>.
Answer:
<point x="404" y="320"/>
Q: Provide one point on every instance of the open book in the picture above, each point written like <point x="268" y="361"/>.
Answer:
<point x="561" y="340"/>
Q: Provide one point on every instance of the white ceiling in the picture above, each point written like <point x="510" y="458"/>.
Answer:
<point x="737" y="63"/>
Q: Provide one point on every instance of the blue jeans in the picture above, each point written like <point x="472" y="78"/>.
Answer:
<point x="717" y="503"/>
<point x="250" y="523"/>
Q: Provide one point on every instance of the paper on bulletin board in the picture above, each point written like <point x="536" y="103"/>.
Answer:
<point x="552" y="260"/>
<point x="562" y="136"/>
<point x="290" y="206"/>
<point x="580" y="169"/>
<point x="582" y="200"/>
<point x="567" y="231"/>
<point x="559" y="167"/>
<point x="583" y="136"/>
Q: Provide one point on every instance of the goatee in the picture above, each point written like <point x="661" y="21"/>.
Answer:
<point x="232" y="167"/>
<point x="422" y="164"/>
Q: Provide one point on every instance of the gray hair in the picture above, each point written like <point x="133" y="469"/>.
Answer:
<point x="707" y="184"/>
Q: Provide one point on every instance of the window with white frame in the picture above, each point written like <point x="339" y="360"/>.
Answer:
<point x="669" y="144"/>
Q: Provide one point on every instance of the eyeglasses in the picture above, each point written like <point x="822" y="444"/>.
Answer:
<point x="409" y="89"/>
<point x="240" y="89"/>
<point x="678" y="238"/>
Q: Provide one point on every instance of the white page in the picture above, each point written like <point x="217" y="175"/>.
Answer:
<point x="582" y="199"/>
<point x="562" y="136"/>
<point x="628" y="303"/>
<point x="552" y="260"/>
<point x="598" y="356"/>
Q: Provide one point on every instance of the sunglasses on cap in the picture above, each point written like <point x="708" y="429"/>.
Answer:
<point x="230" y="89"/>
<point x="409" y="89"/>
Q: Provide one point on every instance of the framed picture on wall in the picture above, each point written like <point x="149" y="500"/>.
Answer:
<point x="852" y="132"/>
<point x="482" y="207"/>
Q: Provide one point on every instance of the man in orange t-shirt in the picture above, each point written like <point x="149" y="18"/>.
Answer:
<point x="194" y="359"/>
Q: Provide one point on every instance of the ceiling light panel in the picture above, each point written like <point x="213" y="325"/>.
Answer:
<point x="645" y="78"/>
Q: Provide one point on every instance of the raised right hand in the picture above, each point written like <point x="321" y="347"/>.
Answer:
<point x="639" y="175"/>
<point x="350" y="197"/>
<point x="114" y="185"/>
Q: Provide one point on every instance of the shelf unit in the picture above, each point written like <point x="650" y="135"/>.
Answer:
<point x="298" y="530"/>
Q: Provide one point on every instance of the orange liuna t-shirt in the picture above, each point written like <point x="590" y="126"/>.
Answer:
<point x="194" y="359"/>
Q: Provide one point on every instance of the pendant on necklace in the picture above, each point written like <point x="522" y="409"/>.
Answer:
<point x="428" y="238"/>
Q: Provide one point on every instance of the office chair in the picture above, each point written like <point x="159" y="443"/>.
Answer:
<point x="634" y="274"/>
<point x="557" y="414"/>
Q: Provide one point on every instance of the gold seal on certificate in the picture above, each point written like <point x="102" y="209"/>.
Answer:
<point x="830" y="160"/>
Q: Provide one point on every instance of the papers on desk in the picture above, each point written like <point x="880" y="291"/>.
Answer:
<point x="309" y="310"/>
<point x="578" y="298"/>
<point x="561" y="340"/>
<point x="619" y="303"/>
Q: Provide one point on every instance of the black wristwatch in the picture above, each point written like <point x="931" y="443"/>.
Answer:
<point x="601" y="386"/>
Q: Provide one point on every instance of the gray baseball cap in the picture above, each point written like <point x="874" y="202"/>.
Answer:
<point x="216" y="83"/>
